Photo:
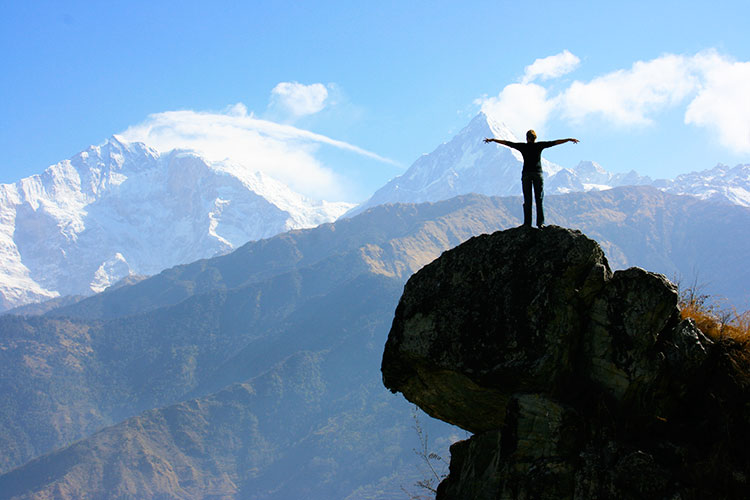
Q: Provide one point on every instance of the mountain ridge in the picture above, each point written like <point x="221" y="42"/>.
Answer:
<point x="465" y="164"/>
<point x="122" y="208"/>
<point x="329" y="289"/>
<point x="635" y="225"/>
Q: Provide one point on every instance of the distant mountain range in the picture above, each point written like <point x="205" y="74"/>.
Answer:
<point x="466" y="164"/>
<point x="247" y="364"/>
<point x="255" y="374"/>
<point x="121" y="209"/>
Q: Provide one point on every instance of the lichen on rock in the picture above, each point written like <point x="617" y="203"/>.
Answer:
<point x="577" y="382"/>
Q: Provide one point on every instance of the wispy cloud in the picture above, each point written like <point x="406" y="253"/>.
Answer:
<point x="711" y="87"/>
<point x="284" y="152"/>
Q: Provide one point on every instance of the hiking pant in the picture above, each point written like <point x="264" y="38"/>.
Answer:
<point x="529" y="180"/>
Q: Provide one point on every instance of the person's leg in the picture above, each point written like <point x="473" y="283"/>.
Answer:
<point x="539" y="199"/>
<point x="526" y="183"/>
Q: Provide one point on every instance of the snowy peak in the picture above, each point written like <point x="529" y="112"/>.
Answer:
<point x="589" y="171"/>
<point x="482" y="125"/>
<point x="466" y="165"/>
<point x="722" y="183"/>
<point x="498" y="129"/>
<point x="121" y="208"/>
<point x="588" y="176"/>
<point x="116" y="156"/>
<point x="463" y="165"/>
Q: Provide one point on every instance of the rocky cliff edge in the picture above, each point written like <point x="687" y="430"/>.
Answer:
<point x="576" y="382"/>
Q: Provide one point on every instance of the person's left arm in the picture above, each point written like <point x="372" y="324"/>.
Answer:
<point x="548" y="144"/>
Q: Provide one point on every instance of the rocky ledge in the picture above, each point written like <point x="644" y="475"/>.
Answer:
<point x="576" y="382"/>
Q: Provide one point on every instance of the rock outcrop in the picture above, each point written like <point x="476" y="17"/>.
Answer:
<point x="576" y="382"/>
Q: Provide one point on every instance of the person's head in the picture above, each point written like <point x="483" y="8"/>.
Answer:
<point x="530" y="136"/>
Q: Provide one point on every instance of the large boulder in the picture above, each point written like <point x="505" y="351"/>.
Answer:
<point x="497" y="315"/>
<point x="577" y="382"/>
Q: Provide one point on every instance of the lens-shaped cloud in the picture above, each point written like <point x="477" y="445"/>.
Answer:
<point x="282" y="151"/>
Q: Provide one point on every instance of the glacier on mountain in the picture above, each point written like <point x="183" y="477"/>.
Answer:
<point x="122" y="208"/>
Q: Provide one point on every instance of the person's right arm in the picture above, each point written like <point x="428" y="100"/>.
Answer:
<point x="503" y="142"/>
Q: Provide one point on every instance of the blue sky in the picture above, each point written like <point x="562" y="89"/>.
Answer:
<point x="338" y="97"/>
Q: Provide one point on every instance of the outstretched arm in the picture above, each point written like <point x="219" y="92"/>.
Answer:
<point x="563" y="141"/>
<point x="501" y="141"/>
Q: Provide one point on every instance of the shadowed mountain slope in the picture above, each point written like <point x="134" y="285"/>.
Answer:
<point x="393" y="240"/>
<point x="635" y="226"/>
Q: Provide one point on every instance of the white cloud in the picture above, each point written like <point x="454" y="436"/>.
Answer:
<point x="551" y="67"/>
<point x="284" y="152"/>
<point x="299" y="99"/>
<point x="629" y="96"/>
<point x="520" y="106"/>
<point x="526" y="105"/>
<point x="712" y="88"/>
<point x="723" y="103"/>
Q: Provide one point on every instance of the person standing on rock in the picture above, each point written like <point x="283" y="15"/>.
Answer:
<point x="532" y="172"/>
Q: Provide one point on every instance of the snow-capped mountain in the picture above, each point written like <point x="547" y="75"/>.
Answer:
<point x="122" y="208"/>
<point x="463" y="165"/>
<point x="721" y="183"/>
<point x="466" y="165"/>
<point x="589" y="175"/>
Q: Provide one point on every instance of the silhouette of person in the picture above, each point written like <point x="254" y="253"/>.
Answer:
<point x="531" y="176"/>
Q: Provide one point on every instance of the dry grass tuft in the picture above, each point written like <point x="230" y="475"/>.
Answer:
<point x="716" y="319"/>
<point x="724" y="325"/>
